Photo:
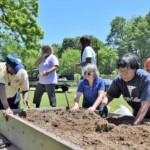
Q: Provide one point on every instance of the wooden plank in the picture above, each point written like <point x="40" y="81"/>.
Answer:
<point x="26" y="136"/>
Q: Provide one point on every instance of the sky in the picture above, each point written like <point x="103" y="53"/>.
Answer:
<point x="61" y="19"/>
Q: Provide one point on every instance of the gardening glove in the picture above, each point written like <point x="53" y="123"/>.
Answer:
<point x="103" y="111"/>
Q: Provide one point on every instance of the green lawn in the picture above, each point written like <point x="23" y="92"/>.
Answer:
<point x="61" y="100"/>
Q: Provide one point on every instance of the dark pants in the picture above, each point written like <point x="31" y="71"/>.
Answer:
<point x="14" y="102"/>
<point x="40" y="89"/>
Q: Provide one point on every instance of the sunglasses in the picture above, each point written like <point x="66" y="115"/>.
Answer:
<point x="88" y="73"/>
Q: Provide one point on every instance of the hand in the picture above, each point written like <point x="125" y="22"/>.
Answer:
<point x="91" y="108"/>
<point x="42" y="74"/>
<point x="45" y="55"/>
<point x="74" y="108"/>
<point x="26" y="103"/>
<point x="7" y="111"/>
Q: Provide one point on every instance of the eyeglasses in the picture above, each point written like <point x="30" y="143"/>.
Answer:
<point x="126" y="72"/>
<point x="88" y="73"/>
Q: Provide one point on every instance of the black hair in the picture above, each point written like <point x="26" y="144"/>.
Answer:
<point x="85" y="40"/>
<point x="128" y="60"/>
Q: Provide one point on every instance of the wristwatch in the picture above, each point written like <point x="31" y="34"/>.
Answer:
<point x="47" y="73"/>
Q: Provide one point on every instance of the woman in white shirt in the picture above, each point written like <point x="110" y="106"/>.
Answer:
<point x="87" y="54"/>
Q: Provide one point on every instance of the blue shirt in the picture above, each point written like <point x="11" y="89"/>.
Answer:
<point x="134" y="91"/>
<point x="90" y="94"/>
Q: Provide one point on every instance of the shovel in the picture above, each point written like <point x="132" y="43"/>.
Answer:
<point x="65" y="89"/>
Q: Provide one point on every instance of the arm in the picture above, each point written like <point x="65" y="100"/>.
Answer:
<point x="4" y="101"/>
<point x="142" y="112"/>
<point x="45" y="73"/>
<point x="98" y="100"/>
<point x="76" y="101"/>
<point x="25" y="95"/>
<point x="107" y="99"/>
<point x="40" y="59"/>
<point x="88" y="60"/>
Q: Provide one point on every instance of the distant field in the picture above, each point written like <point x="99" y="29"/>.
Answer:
<point x="61" y="100"/>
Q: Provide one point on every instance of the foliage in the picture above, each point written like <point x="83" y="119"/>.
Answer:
<point x="74" y="43"/>
<point x="18" y="21"/>
<point x="19" y="31"/>
<point x="56" y="48"/>
<point x="69" y="58"/>
<point x="107" y="60"/>
<point x="10" y="46"/>
<point x="131" y="36"/>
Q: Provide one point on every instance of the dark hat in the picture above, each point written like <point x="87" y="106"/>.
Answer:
<point x="14" y="62"/>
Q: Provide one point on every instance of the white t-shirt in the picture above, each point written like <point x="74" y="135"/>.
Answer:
<point x="45" y="65"/>
<point x="88" y="53"/>
<point x="13" y="82"/>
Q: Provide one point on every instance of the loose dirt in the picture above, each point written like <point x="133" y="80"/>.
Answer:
<point x="89" y="131"/>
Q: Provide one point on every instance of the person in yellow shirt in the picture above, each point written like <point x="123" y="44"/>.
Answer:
<point x="13" y="77"/>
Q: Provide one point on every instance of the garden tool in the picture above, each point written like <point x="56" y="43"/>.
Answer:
<point x="65" y="90"/>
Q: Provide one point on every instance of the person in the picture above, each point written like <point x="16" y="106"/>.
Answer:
<point x="87" y="54"/>
<point x="134" y="84"/>
<point x="48" y="64"/>
<point x="92" y="87"/>
<point x="147" y="65"/>
<point x="13" y="78"/>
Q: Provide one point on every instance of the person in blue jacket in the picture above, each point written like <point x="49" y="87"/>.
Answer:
<point x="92" y="87"/>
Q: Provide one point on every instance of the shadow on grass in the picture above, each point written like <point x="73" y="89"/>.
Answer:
<point x="63" y="92"/>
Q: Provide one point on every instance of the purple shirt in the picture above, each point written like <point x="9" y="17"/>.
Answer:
<point x="45" y="65"/>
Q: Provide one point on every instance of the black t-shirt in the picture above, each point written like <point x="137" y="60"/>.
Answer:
<point x="134" y="91"/>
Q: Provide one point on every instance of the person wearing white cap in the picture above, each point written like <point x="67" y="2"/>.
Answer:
<point x="13" y="77"/>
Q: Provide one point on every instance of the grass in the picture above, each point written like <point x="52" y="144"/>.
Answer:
<point x="61" y="100"/>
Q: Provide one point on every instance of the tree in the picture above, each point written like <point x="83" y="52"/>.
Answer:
<point x="117" y="32"/>
<point x="18" y="20"/>
<point x="74" y="43"/>
<point x="69" y="58"/>
<point x="131" y="36"/>
<point x="107" y="62"/>
<point x="10" y="46"/>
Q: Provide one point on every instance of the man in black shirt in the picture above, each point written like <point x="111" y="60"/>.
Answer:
<point x="134" y="84"/>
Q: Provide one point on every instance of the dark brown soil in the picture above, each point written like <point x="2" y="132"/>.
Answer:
<point x="89" y="131"/>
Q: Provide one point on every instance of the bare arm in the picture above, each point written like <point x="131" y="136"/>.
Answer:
<point x="98" y="100"/>
<point x="3" y="96"/>
<point x="107" y="99"/>
<point x="142" y="112"/>
<point x="76" y="101"/>
<point x="88" y="60"/>
<point x="4" y="101"/>
<point x="52" y="69"/>
<point x="25" y="95"/>
<point x="45" y="73"/>
<point x="40" y="59"/>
